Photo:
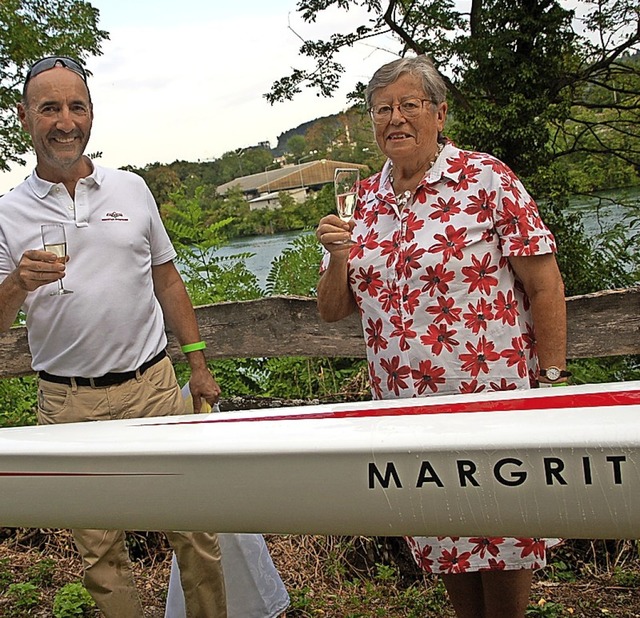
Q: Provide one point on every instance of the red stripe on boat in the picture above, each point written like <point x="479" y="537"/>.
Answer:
<point x="556" y="402"/>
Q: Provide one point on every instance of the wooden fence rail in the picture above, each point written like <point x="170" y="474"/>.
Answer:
<point x="600" y="324"/>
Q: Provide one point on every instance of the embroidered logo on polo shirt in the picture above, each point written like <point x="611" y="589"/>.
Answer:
<point x="114" y="216"/>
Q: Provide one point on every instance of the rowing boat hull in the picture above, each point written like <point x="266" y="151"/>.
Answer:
<point x="547" y="462"/>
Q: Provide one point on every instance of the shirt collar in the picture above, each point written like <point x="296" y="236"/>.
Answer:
<point x="439" y="170"/>
<point x="42" y="188"/>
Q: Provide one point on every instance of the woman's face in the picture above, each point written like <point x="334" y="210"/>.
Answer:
<point x="411" y="139"/>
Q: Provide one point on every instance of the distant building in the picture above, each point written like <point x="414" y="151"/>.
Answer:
<point x="261" y="190"/>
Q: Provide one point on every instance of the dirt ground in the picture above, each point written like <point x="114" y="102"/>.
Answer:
<point x="586" y="579"/>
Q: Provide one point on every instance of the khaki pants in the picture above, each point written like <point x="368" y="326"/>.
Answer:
<point x="108" y="574"/>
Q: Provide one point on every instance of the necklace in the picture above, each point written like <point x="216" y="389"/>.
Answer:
<point x="402" y="199"/>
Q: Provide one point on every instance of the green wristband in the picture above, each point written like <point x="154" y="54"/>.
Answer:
<point x="552" y="384"/>
<point x="193" y="347"/>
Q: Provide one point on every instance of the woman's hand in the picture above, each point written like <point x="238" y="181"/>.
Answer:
<point x="335" y="300"/>
<point x="334" y="234"/>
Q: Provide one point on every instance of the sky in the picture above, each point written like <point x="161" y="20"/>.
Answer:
<point x="184" y="80"/>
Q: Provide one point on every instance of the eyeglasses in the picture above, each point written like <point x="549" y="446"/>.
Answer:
<point x="411" y="108"/>
<point x="44" y="64"/>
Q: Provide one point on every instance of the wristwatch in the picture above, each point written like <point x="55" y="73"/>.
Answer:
<point x="553" y="374"/>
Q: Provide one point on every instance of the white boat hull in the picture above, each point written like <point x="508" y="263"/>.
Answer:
<point x="549" y="462"/>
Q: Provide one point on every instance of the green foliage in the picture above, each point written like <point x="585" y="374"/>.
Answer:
<point x="385" y="572"/>
<point x="626" y="577"/>
<point x="560" y="571"/>
<point x="6" y="574"/>
<point x="165" y="179"/>
<point x="351" y="584"/>
<point x="593" y="262"/>
<point x="240" y="376"/>
<point x="72" y="600"/>
<point x="208" y="278"/>
<point x="41" y="573"/>
<point x="587" y="173"/>
<point x="242" y="162"/>
<point x="545" y="609"/>
<point x="24" y="597"/>
<point x="528" y="82"/>
<point x="559" y="105"/>
<point x="437" y="598"/>
<point x="295" y="271"/>
<point x="302" y="599"/>
<point x="610" y="369"/>
<point x="32" y="29"/>
<point x="309" y="378"/>
<point x="297" y="147"/>
<point x="18" y="402"/>
<point x="510" y="64"/>
<point x="290" y="215"/>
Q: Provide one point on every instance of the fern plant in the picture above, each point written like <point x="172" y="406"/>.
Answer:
<point x="209" y="278"/>
<point x="295" y="271"/>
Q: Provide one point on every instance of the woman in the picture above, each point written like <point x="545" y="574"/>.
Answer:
<point x="452" y="271"/>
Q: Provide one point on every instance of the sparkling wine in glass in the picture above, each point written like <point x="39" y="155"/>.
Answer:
<point x="345" y="181"/>
<point x="55" y="241"/>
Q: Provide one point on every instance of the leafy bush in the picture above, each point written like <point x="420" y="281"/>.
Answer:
<point x="310" y="377"/>
<point x="208" y="278"/>
<point x="18" y="401"/>
<point x="560" y="571"/>
<point x="41" y="573"/>
<point x="626" y="577"/>
<point x="72" y="600"/>
<point x="24" y="597"/>
<point x="295" y="271"/>
<point x="6" y="574"/>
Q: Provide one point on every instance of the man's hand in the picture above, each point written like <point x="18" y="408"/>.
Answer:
<point x="38" y="268"/>
<point x="203" y="386"/>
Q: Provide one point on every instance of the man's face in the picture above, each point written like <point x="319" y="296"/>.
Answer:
<point x="58" y="115"/>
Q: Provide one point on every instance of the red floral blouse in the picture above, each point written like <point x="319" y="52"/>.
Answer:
<point x="441" y="308"/>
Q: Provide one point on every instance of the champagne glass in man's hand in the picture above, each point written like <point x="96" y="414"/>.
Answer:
<point x="345" y="181"/>
<point x="55" y="241"/>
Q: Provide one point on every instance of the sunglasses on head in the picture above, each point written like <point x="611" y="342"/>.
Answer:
<point x="44" y="64"/>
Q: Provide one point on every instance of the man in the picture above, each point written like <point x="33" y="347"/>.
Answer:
<point x="100" y="351"/>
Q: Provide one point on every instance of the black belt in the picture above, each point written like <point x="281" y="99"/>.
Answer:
<point x="108" y="379"/>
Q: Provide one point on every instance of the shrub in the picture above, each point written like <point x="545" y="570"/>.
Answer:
<point x="72" y="600"/>
<point x="41" y="573"/>
<point x="24" y="596"/>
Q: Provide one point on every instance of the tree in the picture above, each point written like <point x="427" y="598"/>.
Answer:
<point x="296" y="147"/>
<point x="519" y="72"/>
<point x="243" y="162"/>
<point x="525" y="84"/>
<point x="30" y="30"/>
<point x="162" y="182"/>
<point x="209" y="278"/>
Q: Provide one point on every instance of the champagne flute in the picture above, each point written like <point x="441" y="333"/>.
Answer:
<point x="55" y="241"/>
<point x="345" y="181"/>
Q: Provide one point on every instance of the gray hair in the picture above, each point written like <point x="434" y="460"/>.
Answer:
<point x="419" y="66"/>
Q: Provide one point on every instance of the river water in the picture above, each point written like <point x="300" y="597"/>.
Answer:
<point x="264" y="249"/>
<point x="596" y="220"/>
<point x="598" y="217"/>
